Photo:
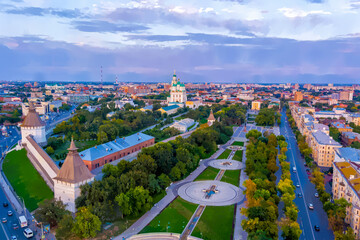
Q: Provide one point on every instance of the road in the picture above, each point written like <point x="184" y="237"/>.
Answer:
<point x="307" y="218"/>
<point x="6" y="229"/>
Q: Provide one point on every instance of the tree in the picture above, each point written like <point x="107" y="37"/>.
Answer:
<point x="349" y="234"/>
<point x="86" y="223"/>
<point x="50" y="150"/>
<point x="355" y="145"/>
<point x="164" y="180"/>
<point x="334" y="133"/>
<point x="51" y="211"/>
<point x="255" y="134"/>
<point x="154" y="185"/>
<point x="291" y="229"/>
<point x="123" y="201"/>
<point x="65" y="227"/>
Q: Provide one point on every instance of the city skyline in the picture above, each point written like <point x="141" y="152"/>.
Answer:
<point x="205" y="41"/>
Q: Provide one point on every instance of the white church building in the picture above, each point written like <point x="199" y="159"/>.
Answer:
<point x="177" y="92"/>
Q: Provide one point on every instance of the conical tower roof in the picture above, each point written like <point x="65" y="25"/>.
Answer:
<point x="32" y="119"/>
<point x="74" y="169"/>
<point x="211" y="116"/>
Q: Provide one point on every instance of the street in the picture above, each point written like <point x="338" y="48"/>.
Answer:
<point x="6" y="229"/>
<point x="306" y="218"/>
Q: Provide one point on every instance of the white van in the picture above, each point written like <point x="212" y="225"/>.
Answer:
<point x="23" y="222"/>
<point x="28" y="233"/>
<point x="294" y="169"/>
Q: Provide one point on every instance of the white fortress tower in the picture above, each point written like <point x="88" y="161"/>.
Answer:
<point x="33" y="125"/>
<point x="177" y="92"/>
<point x="71" y="176"/>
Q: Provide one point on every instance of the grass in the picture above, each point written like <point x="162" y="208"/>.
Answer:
<point x="237" y="143"/>
<point x="238" y="155"/>
<point x="225" y="154"/>
<point x="215" y="223"/>
<point x="25" y="180"/>
<point x="208" y="174"/>
<point x="231" y="176"/>
<point x="173" y="218"/>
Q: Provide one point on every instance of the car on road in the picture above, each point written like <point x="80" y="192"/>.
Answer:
<point x="297" y="185"/>
<point x="28" y="233"/>
<point x="5" y="204"/>
<point x="299" y="195"/>
<point x="316" y="194"/>
<point x="10" y="213"/>
<point x="317" y="228"/>
<point x="15" y="226"/>
<point x="13" y="238"/>
<point x="3" y="220"/>
<point x="311" y="206"/>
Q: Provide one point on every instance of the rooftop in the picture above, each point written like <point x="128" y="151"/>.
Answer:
<point x="168" y="108"/>
<point x="74" y="169"/>
<point x="351" y="135"/>
<point x="349" y="154"/>
<point x="324" y="139"/>
<point x="32" y="119"/>
<point x="114" y="146"/>
<point x="340" y="125"/>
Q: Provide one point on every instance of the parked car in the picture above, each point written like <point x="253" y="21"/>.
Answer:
<point x="311" y="206"/>
<point x="317" y="228"/>
<point x="316" y="194"/>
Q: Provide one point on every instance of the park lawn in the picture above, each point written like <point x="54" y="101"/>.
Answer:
<point x="173" y="218"/>
<point x="209" y="173"/>
<point x="216" y="223"/>
<point x="237" y="143"/>
<point x="232" y="177"/>
<point x="25" y="180"/>
<point x="225" y="154"/>
<point x="238" y="155"/>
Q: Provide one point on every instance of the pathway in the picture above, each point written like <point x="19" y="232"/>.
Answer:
<point x="172" y="193"/>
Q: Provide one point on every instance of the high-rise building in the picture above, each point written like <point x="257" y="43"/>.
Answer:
<point x="346" y="95"/>
<point x="298" y="96"/>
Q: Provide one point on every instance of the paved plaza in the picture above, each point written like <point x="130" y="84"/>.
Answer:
<point x="211" y="193"/>
<point x="226" y="164"/>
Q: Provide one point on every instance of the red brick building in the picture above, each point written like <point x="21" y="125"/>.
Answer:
<point x="105" y="153"/>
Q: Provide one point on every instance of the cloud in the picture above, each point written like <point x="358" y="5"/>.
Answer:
<point x="104" y="26"/>
<point x="37" y="11"/>
<point x="293" y="13"/>
<point x="272" y="60"/>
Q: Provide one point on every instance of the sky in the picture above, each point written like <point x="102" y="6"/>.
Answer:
<point x="254" y="41"/>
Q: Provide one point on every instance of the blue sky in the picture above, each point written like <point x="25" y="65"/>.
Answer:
<point x="204" y="40"/>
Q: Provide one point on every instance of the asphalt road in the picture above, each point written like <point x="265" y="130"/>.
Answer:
<point x="6" y="229"/>
<point x="306" y="218"/>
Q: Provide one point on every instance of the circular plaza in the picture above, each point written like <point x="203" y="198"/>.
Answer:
<point x="226" y="164"/>
<point x="211" y="193"/>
